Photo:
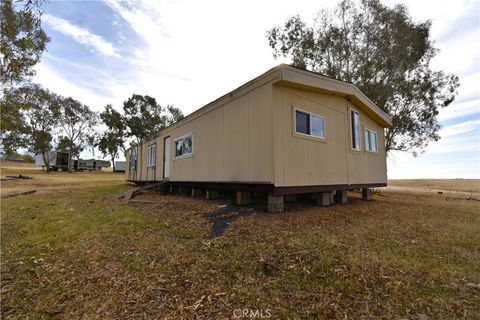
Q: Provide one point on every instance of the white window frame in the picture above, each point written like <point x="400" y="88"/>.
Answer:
<point x="368" y="147"/>
<point x="151" y="155"/>
<point x="310" y="114"/>
<point x="359" y="146"/>
<point x="188" y="155"/>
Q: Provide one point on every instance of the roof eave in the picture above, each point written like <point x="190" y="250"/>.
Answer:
<point x="295" y="77"/>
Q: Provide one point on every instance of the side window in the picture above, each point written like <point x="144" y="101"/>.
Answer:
<point x="152" y="151"/>
<point x="367" y="140"/>
<point x="318" y="126"/>
<point x="184" y="146"/>
<point x="309" y="124"/>
<point x="371" y="141"/>
<point x="355" y="129"/>
<point x="302" y="122"/>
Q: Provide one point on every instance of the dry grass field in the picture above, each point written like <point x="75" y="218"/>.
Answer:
<point x="70" y="251"/>
<point x="448" y="186"/>
<point x="46" y="183"/>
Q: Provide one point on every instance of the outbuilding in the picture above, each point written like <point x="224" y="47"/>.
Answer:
<point x="286" y="132"/>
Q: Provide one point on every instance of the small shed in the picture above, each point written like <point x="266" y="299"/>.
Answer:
<point x="286" y="132"/>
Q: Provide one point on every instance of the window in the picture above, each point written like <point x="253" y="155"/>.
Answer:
<point x="133" y="159"/>
<point x="318" y="126"/>
<point x="152" y="151"/>
<point x="302" y="121"/>
<point x="184" y="146"/>
<point x="309" y="124"/>
<point x="355" y="129"/>
<point x="371" y="141"/>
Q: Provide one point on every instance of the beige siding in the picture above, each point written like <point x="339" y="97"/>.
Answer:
<point x="301" y="160"/>
<point x="364" y="166"/>
<point x="249" y="136"/>
<point x="231" y="143"/>
<point x="128" y="173"/>
<point x="159" y="159"/>
<point x="142" y="159"/>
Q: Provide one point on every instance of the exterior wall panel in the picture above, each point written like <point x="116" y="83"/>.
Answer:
<point x="231" y="143"/>
<point x="302" y="160"/>
<point x="236" y="134"/>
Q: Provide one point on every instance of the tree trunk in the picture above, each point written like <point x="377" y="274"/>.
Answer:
<point x="46" y="161"/>
<point x="113" y="163"/>
<point x="70" y="169"/>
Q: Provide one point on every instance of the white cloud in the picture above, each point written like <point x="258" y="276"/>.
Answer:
<point x="457" y="110"/>
<point x="81" y="35"/>
<point x="207" y="48"/>
<point x="467" y="103"/>
<point x="139" y="54"/>
<point x="460" y="128"/>
<point x="455" y="155"/>
<point x="404" y="166"/>
<point x="188" y="47"/>
<point x="49" y="78"/>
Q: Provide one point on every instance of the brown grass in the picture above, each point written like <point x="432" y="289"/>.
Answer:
<point x="73" y="253"/>
<point x="45" y="183"/>
<point x="467" y="186"/>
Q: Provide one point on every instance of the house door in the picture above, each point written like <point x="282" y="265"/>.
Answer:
<point x="166" y="158"/>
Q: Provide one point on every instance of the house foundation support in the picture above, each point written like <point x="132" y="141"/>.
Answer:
<point x="212" y="194"/>
<point x="243" y="198"/>
<point x="341" y="196"/>
<point x="367" y="194"/>
<point x="324" y="199"/>
<point x="197" y="192"/>
<point x="275" y="203"/>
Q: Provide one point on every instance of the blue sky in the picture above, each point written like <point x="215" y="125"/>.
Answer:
<point x="103" y="51"/>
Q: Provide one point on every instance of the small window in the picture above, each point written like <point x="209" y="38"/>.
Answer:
<point x="371" y="141"/>
<point x="355" y="129"/>
<point x="133" y="160"/>
<point x="309" y="124"/>
<point x="367" y="140"/>
<point x="318" y="126"/>
<point x="302" y="122"/>
<point x="184" y="146"/>
<point x="152" y="151"/>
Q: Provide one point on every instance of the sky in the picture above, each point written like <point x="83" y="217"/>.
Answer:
<point x="188" y="53"/>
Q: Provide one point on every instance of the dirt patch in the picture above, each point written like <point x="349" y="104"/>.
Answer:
<point x="223" y="216"/>
<point x="199" y="212"/>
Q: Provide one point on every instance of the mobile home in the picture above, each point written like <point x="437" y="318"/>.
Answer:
<point x="90" y="164"/>
<point x="288" y="131"/>
<point x="57" y="160"/>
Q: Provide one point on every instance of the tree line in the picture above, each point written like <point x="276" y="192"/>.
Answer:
<point x="380" y="49"/>
<point x="39" y="120"/>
